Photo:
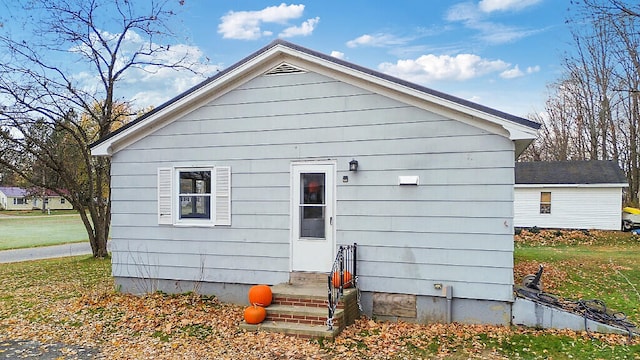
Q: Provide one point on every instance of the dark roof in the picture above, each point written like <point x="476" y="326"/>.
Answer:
<point x="488" y="110"/>
<point x="13" y="191"/>
<point x="570" y="172"/>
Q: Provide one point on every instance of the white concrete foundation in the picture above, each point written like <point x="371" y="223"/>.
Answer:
<point x="530" y="313"/>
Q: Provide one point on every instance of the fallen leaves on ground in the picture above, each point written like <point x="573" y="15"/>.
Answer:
<point x="535" y="237"/>
<point x="72" y="301"/>
<point x="552" y="276"/>
<point x="188" y="326"/>
<point x="544" y="237"/>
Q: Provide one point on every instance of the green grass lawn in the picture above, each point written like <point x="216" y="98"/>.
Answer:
<point x="30" y="231"/>
<point x="37" y="212"/>
<point x="596" y="265"/>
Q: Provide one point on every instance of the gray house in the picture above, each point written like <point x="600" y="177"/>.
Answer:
<point x="569" y="194"/>
<point x="246" y="179"/>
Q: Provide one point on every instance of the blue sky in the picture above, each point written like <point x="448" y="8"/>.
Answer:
<point x="499" y="53"/>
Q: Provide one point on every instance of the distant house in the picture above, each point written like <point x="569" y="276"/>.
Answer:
<point x="14" y="198"/>
<point x="262" y="171"/>
<point x="50" y="200"/>
<point x="569" y="195"/>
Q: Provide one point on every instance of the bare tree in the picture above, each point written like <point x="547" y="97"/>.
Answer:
<point x="593" y="109"/>
<point x="48" y="112"/>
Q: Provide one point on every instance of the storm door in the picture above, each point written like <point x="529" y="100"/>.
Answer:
<point x="312" y="216"/>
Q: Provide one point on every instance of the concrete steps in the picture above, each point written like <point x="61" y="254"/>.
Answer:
<point x="299" y="330"/>
<point x="300" y="309"/>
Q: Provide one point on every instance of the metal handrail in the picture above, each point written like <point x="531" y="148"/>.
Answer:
<point x="344" y="271"/>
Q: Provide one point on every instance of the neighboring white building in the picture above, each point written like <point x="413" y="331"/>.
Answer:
<point x="14" y="198"/>
<point x="17" y="198"/>
<point x="51" y="200"/>
<point x="569" y="195"/>
<point x="245" y="179"/>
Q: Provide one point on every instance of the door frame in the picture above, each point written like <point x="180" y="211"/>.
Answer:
<point x="297" y="167"/>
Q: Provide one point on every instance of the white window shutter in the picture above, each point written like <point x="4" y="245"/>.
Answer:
<point x="223" y="195"/>
<point x="165" y="196"/>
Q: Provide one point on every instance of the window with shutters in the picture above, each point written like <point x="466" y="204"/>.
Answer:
<point x="194" y="196"/>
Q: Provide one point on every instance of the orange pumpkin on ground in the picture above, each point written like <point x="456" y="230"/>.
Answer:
<point x="254" y="314"/>
<point x="260" y="295"/>
<point x="346" y="278"/>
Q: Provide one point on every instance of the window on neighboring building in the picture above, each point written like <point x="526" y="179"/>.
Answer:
<point x="62" y="200"/>
<point x="545" y="203"/>
<point x="19" y="201"/>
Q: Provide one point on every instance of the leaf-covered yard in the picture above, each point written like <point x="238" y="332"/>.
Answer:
<point x="72" y="302"/>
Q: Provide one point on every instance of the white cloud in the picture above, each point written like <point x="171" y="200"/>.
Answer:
<point x="306" y="28"/>
<point x="428" y="68"/>
<point x="462" y="12"/>
<point x="475" y="99"/>
<point x="515" y="72"/>
<point x="500" y="34"/>
<point x="505" y="5"/>
<point x="512" y="73"/>
<point x="247" y="25"/>
<point x="151" y="85"/>
<point x="154" y="85"/>
<point x="474" y="17"/>
<point x="376" y="40"/>
<point x="337" y="54"/>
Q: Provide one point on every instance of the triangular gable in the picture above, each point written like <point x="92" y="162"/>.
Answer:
<point x="282" y="57"/>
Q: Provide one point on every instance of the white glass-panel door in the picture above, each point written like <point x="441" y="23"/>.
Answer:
<point x="312" y="212"/>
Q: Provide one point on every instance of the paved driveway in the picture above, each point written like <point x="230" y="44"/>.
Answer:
<point x="45" y="252"/>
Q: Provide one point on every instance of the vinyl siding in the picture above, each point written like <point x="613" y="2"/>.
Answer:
<point x="454" y="228"/>
<point x="571" y="208"/>
<point x="25" y="206"/>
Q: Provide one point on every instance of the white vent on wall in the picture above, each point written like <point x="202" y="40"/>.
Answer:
<point x="284" y="68"/>
<point x="408" y="180"/>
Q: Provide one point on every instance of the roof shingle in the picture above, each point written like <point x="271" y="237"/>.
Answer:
<point x="12" y="191"/>
<point x="569" y="172"/>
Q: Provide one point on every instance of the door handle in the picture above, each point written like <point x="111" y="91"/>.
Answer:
<point x="330" y="220"/>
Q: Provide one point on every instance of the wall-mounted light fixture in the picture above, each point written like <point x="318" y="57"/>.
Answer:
<point x="353" y="165"/>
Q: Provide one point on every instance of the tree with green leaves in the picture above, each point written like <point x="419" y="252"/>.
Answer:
<point x="62" y="72"/>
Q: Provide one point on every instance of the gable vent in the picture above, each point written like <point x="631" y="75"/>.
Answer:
<point x="284" y="68"/>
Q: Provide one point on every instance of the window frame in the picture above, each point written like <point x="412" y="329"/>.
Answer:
<point x="168" y="196"/>
<point x="206" y="195"/>
<point x="545" y="206"/>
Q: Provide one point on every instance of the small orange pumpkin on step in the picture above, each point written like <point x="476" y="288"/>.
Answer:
<point x="346" y="279"/>
<point x="254" y="314"/>
<point x="260" y="295"/>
